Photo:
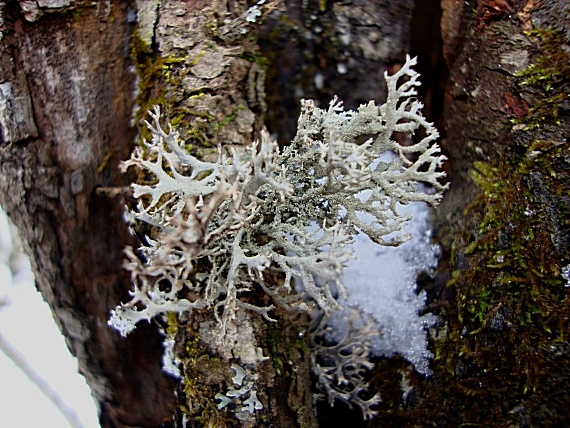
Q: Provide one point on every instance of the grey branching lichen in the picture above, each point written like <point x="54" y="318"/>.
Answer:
<point x="340" y="358"/>
<point x="277" y="221"/>
<point x="246" y="389"/>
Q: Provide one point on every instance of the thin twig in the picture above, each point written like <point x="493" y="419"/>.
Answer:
<point x="40" y="382"/>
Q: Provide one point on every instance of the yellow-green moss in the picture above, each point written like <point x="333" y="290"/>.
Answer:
<point x="511" y="303"/>
<point x="256" y="57"/>
<point x="172" y="324"/>
<point x="283" y="345"/>
<point x="212" y="26"/>
<point x="549" y="74"/>
<point x="199" y="407"/>
<point x="159" y="82"/>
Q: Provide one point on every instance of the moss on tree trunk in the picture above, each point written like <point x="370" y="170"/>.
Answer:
<point x="501" y="345"/>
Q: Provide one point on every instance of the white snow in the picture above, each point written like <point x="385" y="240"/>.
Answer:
<point x="382" y="280"/>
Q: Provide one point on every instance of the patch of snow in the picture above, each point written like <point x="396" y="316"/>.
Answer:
<point x="382" y="280"/>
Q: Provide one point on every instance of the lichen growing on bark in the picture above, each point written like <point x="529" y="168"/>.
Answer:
<point x="275" y="222"/>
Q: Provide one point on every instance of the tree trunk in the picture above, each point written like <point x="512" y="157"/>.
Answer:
<point x="501" y="345"/>
<point x="66" y="104"/>
<point x="78" y="77"/>
<point x="316" y="50"/>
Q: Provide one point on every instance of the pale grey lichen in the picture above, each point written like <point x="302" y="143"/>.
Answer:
<point x="281" y="222"/>
<point x="222" y="226"/>
<point x="237" y="341"/>
<point x="252" y="13"/>
<point x="246" y="384"/>
<point x="340" y="358"/>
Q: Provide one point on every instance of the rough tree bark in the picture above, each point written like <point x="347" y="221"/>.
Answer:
<point x="317" y="50"/>
<point x="77" y="78"/>
<point x="66" y="103"/>
<point x="73" y="73"/>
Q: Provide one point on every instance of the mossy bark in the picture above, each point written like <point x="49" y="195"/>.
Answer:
<point x="501" y="345"/>
<point x="73" y="77"/>
<point x="77" y="79"/>
<point x="200" y="62"/>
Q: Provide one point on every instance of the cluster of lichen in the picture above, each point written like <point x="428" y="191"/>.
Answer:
<point x="204" y="375"/>
<point x="279" y="223"/>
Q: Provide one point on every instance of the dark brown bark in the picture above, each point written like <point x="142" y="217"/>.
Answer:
<point x="317" y="50"/>
<point x="70" y="72"/>
<point x="487" y="53"/>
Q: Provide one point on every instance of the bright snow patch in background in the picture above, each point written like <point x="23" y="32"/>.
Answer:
<point x="27" y="324"/>
<point x="382" y="280"/>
